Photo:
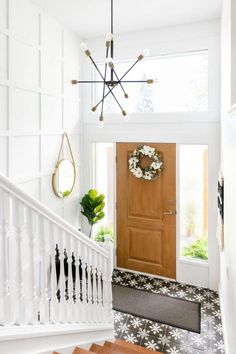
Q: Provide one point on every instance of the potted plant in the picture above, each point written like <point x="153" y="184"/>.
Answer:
<point x="92" y="207"/>
<point x="103" y="233"/>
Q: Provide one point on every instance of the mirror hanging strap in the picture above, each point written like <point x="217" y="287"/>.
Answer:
<point x="65" y="135"/>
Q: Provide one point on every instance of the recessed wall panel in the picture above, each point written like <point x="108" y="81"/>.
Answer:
<point x="71" y="115"/>
<point x="51" y="113"/>
<point x="71" y="49"/>
<point x="51" y="74"/>
<point x="25" y="21"/>
<point x="25" y="110"/>
<point x="3" y="155"/>
<point x="3" y="107"/>
<point x="51" y="37"/>
<point x="26" y="156"/>
<point x="25" y="65"/>
<point x="3" y="57"/>
<point x="3" y="14"/>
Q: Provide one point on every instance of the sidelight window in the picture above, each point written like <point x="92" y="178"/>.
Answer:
<point x="193" y="199"/>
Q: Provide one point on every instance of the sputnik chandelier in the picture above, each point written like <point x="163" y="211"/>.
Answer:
<point x="110" y="78"/>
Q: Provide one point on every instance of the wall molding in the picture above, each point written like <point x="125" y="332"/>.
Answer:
<point x="38" y="102"/>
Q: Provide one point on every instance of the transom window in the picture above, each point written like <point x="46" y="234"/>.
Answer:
<point x="182" y="85"/>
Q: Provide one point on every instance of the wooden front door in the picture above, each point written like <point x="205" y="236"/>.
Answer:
<point x="146" y="214"/>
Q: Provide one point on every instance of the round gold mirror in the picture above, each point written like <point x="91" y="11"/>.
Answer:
<point x="63" y="179"/>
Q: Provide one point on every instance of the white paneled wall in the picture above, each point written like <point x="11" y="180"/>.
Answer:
<point x="37" y="101"/>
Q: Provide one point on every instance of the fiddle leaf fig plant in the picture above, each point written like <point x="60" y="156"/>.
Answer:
<point x="92" y="205"/>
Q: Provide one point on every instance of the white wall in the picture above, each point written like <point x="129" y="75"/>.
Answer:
<point x="37" y="102"/>
<point x="180" y="128"/>
<point x="228" y="152"/>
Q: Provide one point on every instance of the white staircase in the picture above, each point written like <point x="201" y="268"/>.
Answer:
<point x="55" y="283"/>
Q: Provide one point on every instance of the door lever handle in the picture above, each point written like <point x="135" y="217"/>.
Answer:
<point x="169" y="212"/>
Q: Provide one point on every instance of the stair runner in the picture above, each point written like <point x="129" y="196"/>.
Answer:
<point x="118" y="347"/>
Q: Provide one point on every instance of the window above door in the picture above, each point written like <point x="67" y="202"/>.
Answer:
<point x="182" y="84"/>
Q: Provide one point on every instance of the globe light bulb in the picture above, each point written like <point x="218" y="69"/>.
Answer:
<point x="109" y="37"/>
<point x="126" y="118"/>
<point x="109" y="60"/>
<point x="145" y="52"/>
<point x="84" y="46"/>
<point x="100" y="123"/>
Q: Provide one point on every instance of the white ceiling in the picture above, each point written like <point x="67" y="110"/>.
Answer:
<point x="91" y="18"/>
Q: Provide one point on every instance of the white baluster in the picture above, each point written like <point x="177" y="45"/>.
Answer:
<point x="107" y="286"/>
<point x="32" y="300"/>
<point x="89" y="271"/>
<point x="77" y="250"/>
<point x="104" y="290"/>
<point x="95" y="292"/>
<point x="19" y="298"/>
<point x="62" y="278"/>
<point x="44" y="267"/>
<point x="54" y="304"/>
<point x="100" y="300"/>
<point x="84" y="284"/>
<point x="4" y="256"/>
<point x="69" y="280"/>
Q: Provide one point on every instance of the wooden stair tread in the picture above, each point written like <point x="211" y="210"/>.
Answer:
<point x="95" y="348"/>
<point x="137" y="348"/>
<point x="112" y="348"/>
<point x="79" y="350"/>
<point x="115" y="348"/>
<point x="118" y="347"/>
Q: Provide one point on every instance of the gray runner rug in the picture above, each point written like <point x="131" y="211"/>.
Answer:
<point x="157" y="307"/>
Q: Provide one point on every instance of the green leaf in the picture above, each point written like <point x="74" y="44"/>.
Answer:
<point x="92" y="193"/>
<point x="99" y="207"/>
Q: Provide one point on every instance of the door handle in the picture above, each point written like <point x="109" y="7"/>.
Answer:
<point x="169" y="212"/>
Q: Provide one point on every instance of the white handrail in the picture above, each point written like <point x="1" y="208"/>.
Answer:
<point x="43" y="210"/>
<point x="49" y="271"/>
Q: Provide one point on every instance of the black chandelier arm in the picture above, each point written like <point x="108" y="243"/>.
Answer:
<point x="96" y="68"/>
<point x="110" y="90"/>
<point x="150" y="81"/>
<point x="121" y="79"/>
<point x="132" y="66"/>
<point x="119" y="82"/>
<point x="104" y="85"/>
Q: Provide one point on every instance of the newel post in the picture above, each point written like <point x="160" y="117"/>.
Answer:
<point x="108" y="245"/>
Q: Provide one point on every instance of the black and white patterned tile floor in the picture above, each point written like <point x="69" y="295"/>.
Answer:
<point x="164" y="338"/>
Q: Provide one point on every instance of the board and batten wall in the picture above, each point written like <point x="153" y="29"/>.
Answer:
<point x="38" y="58"/>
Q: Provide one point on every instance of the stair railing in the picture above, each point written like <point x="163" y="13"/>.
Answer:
<point x="49" y="272"/>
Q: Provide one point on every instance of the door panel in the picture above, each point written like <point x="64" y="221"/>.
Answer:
<point x="146" y="235"/>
